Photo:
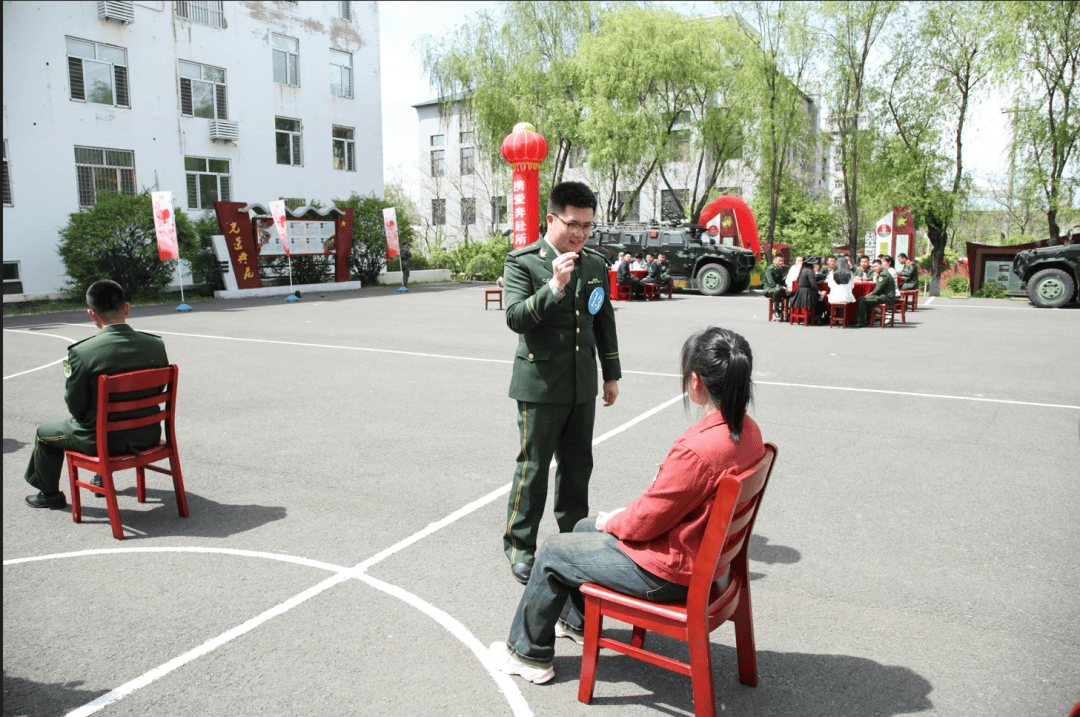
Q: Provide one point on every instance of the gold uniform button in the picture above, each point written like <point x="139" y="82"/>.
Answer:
<point x="577" y="348"/>
<point x="531" y="356"/>
<point x="579" y="330"/>
<point x="578" y="313"/>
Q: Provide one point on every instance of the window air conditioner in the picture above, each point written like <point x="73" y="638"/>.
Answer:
<point x="118" y="10"/>
<point x="224" y="130"/>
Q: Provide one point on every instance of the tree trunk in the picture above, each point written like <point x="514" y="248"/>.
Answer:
<point x="1055" y="230"/>
<point x="939" y="237"/>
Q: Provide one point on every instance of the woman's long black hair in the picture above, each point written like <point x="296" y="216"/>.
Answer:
<point x="723" y="360"/>
<point x="842" y="275"/>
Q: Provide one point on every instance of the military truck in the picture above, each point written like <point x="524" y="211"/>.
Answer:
<point x="697" y="260"/>
<point x="1049" y="274"/>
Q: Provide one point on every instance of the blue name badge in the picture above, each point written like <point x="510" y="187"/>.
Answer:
<point x="596" y="300"/>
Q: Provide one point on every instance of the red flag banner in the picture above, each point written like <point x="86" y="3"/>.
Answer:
<point x="745" y="226"/>
<point x="277" y="210"/>
<point x="164" y="225"/>
<point x="390" y="223"/>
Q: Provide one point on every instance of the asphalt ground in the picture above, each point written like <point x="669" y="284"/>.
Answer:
<point x="347" y="460"/>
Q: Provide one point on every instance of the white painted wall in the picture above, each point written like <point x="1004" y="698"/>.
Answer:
<point x="42" y="125"/>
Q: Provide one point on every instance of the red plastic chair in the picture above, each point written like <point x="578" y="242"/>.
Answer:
<point x="724" y="547"/>
<point x="162" y="379"/>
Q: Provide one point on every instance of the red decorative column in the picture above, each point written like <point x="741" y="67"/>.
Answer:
<point x="525" y="149"/>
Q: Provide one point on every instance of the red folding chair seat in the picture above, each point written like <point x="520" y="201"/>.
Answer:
<point x="110" y="401"/>
<point x="723" y="548"/>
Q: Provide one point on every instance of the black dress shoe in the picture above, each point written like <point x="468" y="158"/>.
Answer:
<point x="56" y="501"/>
<point x="521" y="571"/>
<point x="96" y="482"/>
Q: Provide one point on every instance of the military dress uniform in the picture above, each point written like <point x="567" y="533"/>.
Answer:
<point x="774" y="282"/>
<point x="883" y="293"/>
<point x="909" y="276"/>
<point x="554" y="382"/>
<point x="864" y="274"/>
<point x="117" y="348"/>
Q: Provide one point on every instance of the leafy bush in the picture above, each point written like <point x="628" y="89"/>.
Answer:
<point x="306" y="269"/>
<point x="958" y="284"/>
<point x="991" y="290"/>
<point x="951" y="258"/>
<point x="369" y="239"/>
<point x="204" y="265"/>
<point x="488" y="258"/>
<point x="115" y="239"/>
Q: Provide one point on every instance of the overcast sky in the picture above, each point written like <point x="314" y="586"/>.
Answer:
<point x="402" y="23"/>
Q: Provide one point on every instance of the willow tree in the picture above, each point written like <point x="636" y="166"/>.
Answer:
<point x="518" y="65"/>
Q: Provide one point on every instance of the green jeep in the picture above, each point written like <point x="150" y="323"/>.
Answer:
<point x="1050" y="274"/>
<point x="697" y="261"/>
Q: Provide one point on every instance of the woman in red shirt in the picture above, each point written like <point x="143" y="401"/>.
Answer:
<point x="646" y="549"/>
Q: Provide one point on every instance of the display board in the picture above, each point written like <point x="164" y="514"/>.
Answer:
<point x="1000" y="273"/>
<point x="305" y="237"/>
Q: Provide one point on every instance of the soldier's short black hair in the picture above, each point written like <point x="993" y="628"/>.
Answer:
<point x="877" y="261"/>
<point x="105" y="297"/>
<point x="902" y="254"/>
<point x="573" y="194"/>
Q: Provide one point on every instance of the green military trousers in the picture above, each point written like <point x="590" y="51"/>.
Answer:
<point x="562" y="430"/>
<point x="55" y="437"/>
<point x="862" y="314"/>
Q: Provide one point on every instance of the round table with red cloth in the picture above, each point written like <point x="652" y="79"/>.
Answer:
<point x="859" y="290"/>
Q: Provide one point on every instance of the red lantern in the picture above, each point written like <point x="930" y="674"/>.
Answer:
<point x="525" y="149"/>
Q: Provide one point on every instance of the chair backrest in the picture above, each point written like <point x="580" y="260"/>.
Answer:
<point x="730" y="524"/>
<point x="134" y="391"/>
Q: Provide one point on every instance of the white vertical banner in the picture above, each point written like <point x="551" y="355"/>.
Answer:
<point x="164" y="225"/>
<point x="277" y="210"/>
<point x="885" y="234"/>
<point x="389" y="216"/>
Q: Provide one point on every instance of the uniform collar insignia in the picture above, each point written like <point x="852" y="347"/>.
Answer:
<point x="543" y="254"/>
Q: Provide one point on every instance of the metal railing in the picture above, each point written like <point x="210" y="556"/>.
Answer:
<point x="204" y="12"/>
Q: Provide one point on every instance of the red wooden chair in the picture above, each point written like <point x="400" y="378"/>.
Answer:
<point x="838" y="315"/>
<point x="652" y="291"/>
<point x="618" y="292"/>
<point x="911" y="299"/>
<point x="723" y="548"/>
<point x="782" y="304"/>
<point x="111" y="401"/>
<point x="799" y="315"/>
<point x="883" y="311"/>
<point x="1075" y="712"/>
<point x="492" y="296"/>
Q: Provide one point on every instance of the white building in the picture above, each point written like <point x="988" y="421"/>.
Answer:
<point x="238" y="101"/>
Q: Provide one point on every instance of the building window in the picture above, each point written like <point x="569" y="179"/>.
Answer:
<point x="7" y="181"/>
<point x="468" y="211"/>
<point x="467" y="160"/>
<point x="341" y="74"/>
<point x="202" y="91"/>
<point x="684" y="148"/>
<point x="204" y="12"/>
<point x="438" y="163"/>
<point x="208" y="181"/>
<point x="289" y="149"/>
<point x="631" y="213"/>
<point x="465" y="138"/>
<point x="438" y="212"/>
<point x="286" y="58"/>
<point x="344" y="149"/>
<point x="498" y="210"/>
<point x="12" y="278"/>
<point x="669" y="207"/>
<point x="103" y="170"/>
<point x="341" y="10"/>
<point x="438" y="140"/>
<point x="97" y="73"/>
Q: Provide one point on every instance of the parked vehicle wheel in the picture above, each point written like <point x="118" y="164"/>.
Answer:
<point x="713" y="280"/>
<point x="1050" y="288"/>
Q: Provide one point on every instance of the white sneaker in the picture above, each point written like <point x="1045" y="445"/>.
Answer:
<point x="565" y="631"/>
<point x="507" y="662"/>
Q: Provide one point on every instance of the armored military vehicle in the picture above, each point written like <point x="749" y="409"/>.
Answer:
<point x="1050" y="274"/>
<point x="698" y="261"/>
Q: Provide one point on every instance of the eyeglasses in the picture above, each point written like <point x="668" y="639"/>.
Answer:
<point x="574" y="226"/>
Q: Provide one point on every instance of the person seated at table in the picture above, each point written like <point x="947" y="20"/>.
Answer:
<point x="772" y="282"/>
<point x="807" y="295"/>
<point x="623" y="277"/>
<point x="841" y="283"/>
<point x="792" y="277"/>
<point x="646" y="549"/>
<point x="639" y="264"/>
<point x="908" y="273"/>
<point x="889" y="267"/>
<point x="864" y="272"/>
<point x="884" y="293"/>
<point x="655" y="272"/>
<point x="830" y="266"/>
<point x="815" y="265"/>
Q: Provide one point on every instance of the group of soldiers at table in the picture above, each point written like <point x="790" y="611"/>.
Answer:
<point x="656" y="264"/>
<point x="802" y="280"/>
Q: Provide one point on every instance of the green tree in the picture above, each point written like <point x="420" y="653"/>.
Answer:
<point x="1040" y="42"/>
<point x="783" y="135"/>
<point x="810" y="225"/>
<point x="369" y="237"/>
<point x="115" y="239"/>
<point x="204" y="265"/>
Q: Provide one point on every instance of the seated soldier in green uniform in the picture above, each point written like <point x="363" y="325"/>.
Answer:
<point x="116" y="348"/>
<point x="830" y="266"/>
<point x="666" y="283"/>
<point x="772" y="282"/>
<point x="883" y="293"/>
<point x="908" y="273"/>
<point x="864" y="272"/>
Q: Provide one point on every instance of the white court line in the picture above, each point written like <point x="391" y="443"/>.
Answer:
<point x="929" y="301"/>
<point x="37" y="333"/>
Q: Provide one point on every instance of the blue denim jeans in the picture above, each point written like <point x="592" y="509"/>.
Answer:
<point x="564" y="562"/>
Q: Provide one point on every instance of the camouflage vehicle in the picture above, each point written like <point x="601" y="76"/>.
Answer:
<point x="1050" y="274"/>
<point x="697" y="260"/>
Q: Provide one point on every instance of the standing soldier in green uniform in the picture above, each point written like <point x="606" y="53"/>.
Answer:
<point x="883" y="293"/>
<point x="908" y="275"/>
<point x="558" y="302"/>
<point x="772" y="282"/>
<point x="117" y="348"/>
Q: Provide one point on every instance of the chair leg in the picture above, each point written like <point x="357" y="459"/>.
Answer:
<point x="591" y="652"/>
<point x="701" y="676"/>
<point x="178" y="485"/>
<point x="140" y="484"/>
<point x="744" y="639"/>
<point x="637" y="638"/>
<point x="110" y="500"/>
<point x="76" y="498"/>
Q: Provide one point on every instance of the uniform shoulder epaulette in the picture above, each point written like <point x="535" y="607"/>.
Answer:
<point x="71" y="346"/>
<point x="535" y="246"/>
<point x="147" y="333"/>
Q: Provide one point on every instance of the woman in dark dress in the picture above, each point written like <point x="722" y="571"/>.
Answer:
<point x="806" y="289"/>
